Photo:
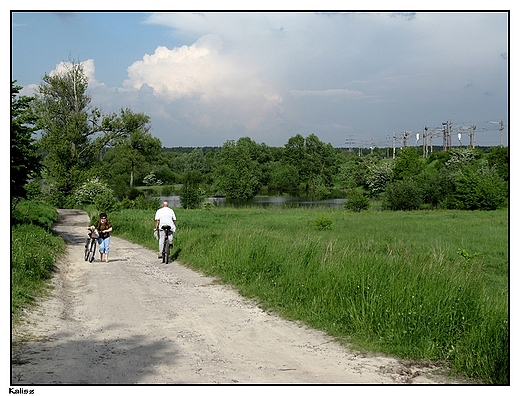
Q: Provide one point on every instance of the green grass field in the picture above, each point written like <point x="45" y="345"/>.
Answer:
<point x="419" y="285"/>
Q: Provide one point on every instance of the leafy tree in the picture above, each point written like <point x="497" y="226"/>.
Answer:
<point x="378" y="175"/>
<point x="133" y="146"/>
<point x="314" y="160"/>
<point x="479" y="188"/>
<point x="498" y="157"/>
<point x="284" y="178"/>
<point x="67" y="124"/>
<point x="408" y="164"/>
<point x="435" y="186"/>
<point x="25" y="159"/>
<point x="346" y="175"/>
<point x="236" y="173"/>
<point x="191" y="194"/>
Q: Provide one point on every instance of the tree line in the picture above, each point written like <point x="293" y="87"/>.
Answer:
<point x="68" y="153"/>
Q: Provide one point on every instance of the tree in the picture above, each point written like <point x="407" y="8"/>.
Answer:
<point x="133" y="146"/>
<point x="498" y="157"/>
<point x="191" y="194"/>
<point x="284" y="178"/>
<point x="67" y="124"/>
<point x="315" y="161"/>
<point x="25" y="159"/>
<point x="408" y="164"/>
<point x="236" y="173"/>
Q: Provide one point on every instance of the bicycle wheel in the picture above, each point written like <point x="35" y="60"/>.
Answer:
<point x="167" y="249"/>
<point x="92" y="250"/>
<point x="87" y="249"/>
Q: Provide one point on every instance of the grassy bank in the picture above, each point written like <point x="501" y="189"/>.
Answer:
<point x="419" y="285"/>
<point x="34" y="249"/>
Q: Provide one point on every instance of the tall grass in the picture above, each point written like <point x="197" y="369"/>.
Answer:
<point x="34" y="249"/>
<point x="419" y="285"/>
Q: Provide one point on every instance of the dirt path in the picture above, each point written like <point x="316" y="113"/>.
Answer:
<point x="135" y="320"/>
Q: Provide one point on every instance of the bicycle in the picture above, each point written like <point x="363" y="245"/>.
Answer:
<point x="90" y="245"/>
<point x="166" y="243"/>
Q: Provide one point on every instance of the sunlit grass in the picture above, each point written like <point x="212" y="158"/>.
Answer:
<point x="420" y="285"/>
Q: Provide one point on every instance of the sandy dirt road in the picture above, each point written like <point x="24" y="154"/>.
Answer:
<point x="135" y="320"/>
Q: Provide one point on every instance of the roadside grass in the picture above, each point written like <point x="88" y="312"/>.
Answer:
<point x="418" y="285"/>
<point x="34" y="249"/>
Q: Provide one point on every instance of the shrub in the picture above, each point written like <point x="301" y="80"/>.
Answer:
<point x="356" y="201"/>
<point x="402" y="195"/>
<point x="378" y="176"/>
<point x="323" y="223"/>
<point x="96" y="192"/>
<point x="476" y="189"/>
<point x="34" y="212"/>
<point x="192" y="194"/>
<point x="151" y="180"/>
<point x="34" y="190"/>
<point x="167" y="190"/>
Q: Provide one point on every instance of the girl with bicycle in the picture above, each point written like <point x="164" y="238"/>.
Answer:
<point x="104" y="227"/>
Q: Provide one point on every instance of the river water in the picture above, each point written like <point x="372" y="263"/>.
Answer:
<point x="278" y="202"/>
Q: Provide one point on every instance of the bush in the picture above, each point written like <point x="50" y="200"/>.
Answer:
<point x="34" y="190"/>
<point x="167" y="190"/>
<point x="34" y="248"/>
<point x="34" y="212"/>
<point x="402" y="195"/>
<point x="356" y="201"/>
<point x="323" y="223"/>
<point x="192" y="194"/>
<point x="96" y="192"/>
<point x="479" y="189"/>
<point x="151" y="180"/>
<point x="140" y="202"/>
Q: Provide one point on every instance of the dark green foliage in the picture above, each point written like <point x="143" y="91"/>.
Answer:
<point x="498" y="158"/>
<point x="66" y="123"/>
<point x="34" y="213"/>
<point x="34" y="248"/>
<point x="139" y="202"/>
<point x="192" y="194"/>
<point x="356" y="201"/>
<point x="237" y="172"/>
<point x="323" y="223"/>
<point x="402" y="195"/>
<point x="25" y="158"/>
<point x="408" y="165"/>
<point x="284" y="179"/>
<point x="315" y="162"/>
<point x="479" y="189"/>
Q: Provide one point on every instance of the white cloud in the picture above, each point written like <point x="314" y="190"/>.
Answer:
<point x="222" y="91"/>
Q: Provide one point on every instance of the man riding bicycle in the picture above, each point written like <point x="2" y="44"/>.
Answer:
<point x="165" y="216"/>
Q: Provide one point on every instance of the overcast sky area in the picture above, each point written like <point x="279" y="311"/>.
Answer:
<point x="351" y="78"/>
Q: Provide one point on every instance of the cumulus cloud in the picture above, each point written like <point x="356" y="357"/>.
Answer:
<point x="222" y="91"/>
<point x="88" y="68"/>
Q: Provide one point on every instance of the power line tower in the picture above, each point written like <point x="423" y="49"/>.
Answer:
<point x="425" y="142"/>
<point x="501" y="129"/>
<point x="472" y="136"/>
<point x="446" y="135"/>
<point x="405" y="135"/>
<point x="349" y="141"/>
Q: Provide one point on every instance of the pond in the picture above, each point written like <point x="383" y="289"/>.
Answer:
<point x="279" y="202"/>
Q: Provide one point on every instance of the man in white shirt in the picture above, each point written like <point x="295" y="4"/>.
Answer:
<point x="165" y="216"/>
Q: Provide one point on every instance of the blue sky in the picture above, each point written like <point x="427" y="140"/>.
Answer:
<point x="350" y="78"/>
